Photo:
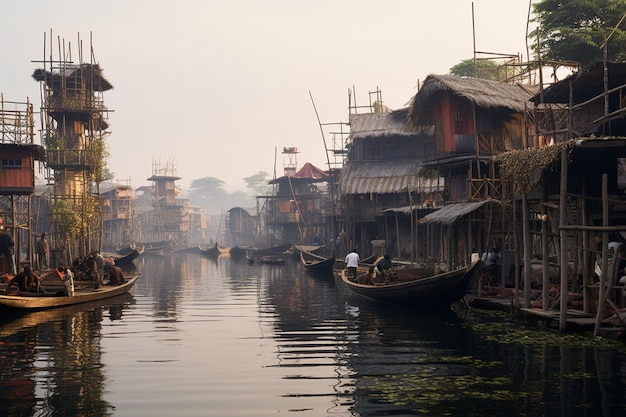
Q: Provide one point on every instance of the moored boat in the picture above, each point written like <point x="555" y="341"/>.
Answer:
<point x="82" y="294"/>
<point x="212" y="252"/>
<point x="317" y="263"/>
<point x="128" y="257"/>
<point x="417" y="287"/>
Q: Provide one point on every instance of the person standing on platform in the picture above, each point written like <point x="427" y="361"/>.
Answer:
<point x="42" y="252"/>
<point x="7" y="247"/>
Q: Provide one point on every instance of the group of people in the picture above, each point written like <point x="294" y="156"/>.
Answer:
<point x="377" y="273"/>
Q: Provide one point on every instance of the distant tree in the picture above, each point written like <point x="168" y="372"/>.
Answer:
<point x="206" y="191"/>
<point x="575" y="30"/>
<point x="258" y="182"/>
<point x="488" y="70"/>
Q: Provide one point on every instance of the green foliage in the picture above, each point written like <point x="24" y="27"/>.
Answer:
<point x="258" y="182"/>
<point x="488" y="70"/>
<point x="575" y="30"/>
<point x="72" y="218"/>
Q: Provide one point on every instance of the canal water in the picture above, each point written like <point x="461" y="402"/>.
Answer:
<point x="202" y="337"/>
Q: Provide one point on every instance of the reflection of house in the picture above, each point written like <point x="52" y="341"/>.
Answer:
<point x="474" y="119"/>
<point x="240" y="227"/>
<point x="297" y="211"/>
<point x="380" y="183"/>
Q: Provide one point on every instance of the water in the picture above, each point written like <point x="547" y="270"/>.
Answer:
<point x="200" y="337"/>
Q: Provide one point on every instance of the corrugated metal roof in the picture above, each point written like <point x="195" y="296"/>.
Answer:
<point x="451" y="213"/>
<point x="383" y="177"/>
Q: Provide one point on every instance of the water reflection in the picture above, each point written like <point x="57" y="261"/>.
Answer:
<point x="222" y="337"/>
<point x="50" y="360"/>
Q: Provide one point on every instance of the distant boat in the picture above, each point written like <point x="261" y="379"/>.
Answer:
<point x="419" y="288"/>
<point x="129" y="257"/>
<point x="156" y="248"/>
<point x="212" y="252"/>
<point x="316" y="263"/>
<point x="237" y="252"/>
<point x="280" y="250"/>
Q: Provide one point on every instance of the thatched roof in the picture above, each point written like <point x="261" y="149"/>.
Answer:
<point x="368" y="125"/>
<point x="586" y="84"/>
<point x="483" y="93"/>
<point x="75" y="76"/>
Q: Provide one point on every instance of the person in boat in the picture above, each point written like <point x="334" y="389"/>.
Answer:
<point x="352" y="262"/>
<point x="25" y="281"/>
<point x="89" y="270"/>
<point x="67" y="276"/>
<point x="116" y="277"/>
<point x="379" y="272"/>
<point x="492" y="262"/>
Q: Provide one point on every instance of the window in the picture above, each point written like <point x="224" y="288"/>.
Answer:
<point x="11" y="163"/>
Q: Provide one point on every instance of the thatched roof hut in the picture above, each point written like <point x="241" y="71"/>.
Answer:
<point x="89" y="75"/>
<point x="482" y="93"/>
<point x="368" y="125"/>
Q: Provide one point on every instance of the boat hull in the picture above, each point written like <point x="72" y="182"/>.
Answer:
<point x="38" y="302"/>
<point x="439" y="290"/>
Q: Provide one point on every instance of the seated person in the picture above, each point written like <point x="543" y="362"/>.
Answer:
<point x="115" y="276"/>
<point x="26" y="281"/>
<point x="381" y="268"/>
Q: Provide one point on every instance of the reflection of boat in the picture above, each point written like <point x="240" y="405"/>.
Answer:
<point x="82" y="294"/>
<point x="270" y="260"/>
<point x="419" y="287"/>
<point x="316" y="263"/>
<point x="18" y="320"/>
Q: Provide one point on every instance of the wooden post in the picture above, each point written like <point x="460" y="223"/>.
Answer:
<point x="527" y="245"/>
<point x="563" y="239"/>
<point x="605" y="257"/>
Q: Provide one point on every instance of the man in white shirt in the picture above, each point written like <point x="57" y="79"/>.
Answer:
<point x="352" y="261"/>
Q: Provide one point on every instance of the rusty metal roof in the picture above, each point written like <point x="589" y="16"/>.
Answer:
<point x="449" y="214"/>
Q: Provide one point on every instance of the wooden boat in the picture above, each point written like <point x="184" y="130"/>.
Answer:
<point x="82" y="294"/>
<point x="414" y="287"/>
<point x="317" y="263"/>
<point x="276" y="251"/>
<point x="238" y="252"/>
<point x="16" y="320"/>
<point x="124" y="250"/>
<point x="129" y="257"/>
<point x="156" y="248"/>
<point x="212" y="252"/>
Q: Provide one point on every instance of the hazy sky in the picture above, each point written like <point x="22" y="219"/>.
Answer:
<point x="217" y="86"/>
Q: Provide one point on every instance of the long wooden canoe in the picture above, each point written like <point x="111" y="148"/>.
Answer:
<point x="419" y="290"/>
<point x="34" y="301"/>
